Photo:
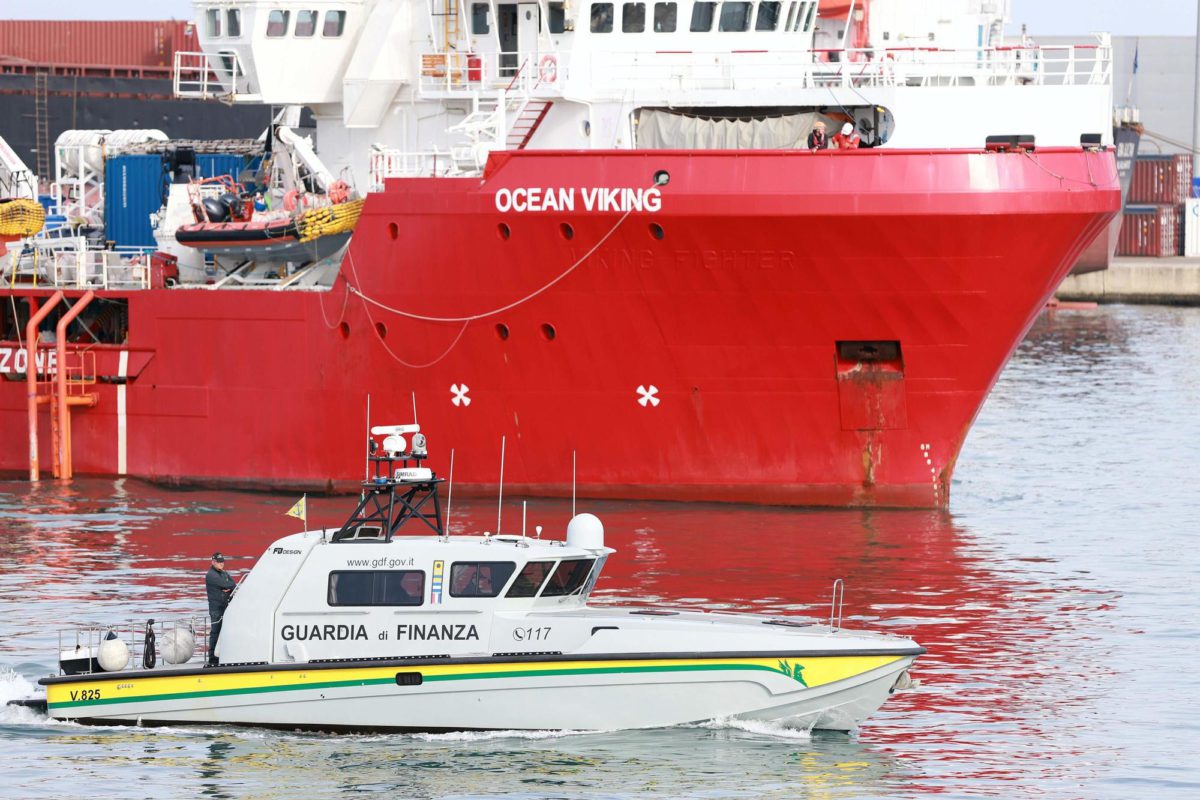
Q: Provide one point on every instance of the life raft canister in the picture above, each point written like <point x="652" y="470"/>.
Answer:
<point x="548" y="69"/>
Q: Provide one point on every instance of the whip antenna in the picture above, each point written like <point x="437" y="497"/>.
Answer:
<point x="449" y="495"/>
<point x="367" y="459"/>
<point x="414" y="397"/>
<point x="500" y="499"/>
<point x="524" y="509"/>
<point x="572" y="483"/>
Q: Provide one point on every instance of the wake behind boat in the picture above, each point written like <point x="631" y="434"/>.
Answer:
<point x="361" y="628"/>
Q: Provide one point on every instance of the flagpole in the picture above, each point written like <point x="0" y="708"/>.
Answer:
<point x="304" y="516"/>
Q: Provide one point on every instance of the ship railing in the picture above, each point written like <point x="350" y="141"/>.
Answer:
<point x="612" y="73"/>
<point x="211" y="76"/>
<point x="388" y="162"/>
<point x="70" y="263"/>
<point x="90" y="268"/>
<point x="455" y="74"/>
<point x="83" y="642"/>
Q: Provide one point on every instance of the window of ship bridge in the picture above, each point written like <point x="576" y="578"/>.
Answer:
<point x="335" y="23"/>
<point x="602" y="17"/>
<point x="768" y="16"/>
<point x="702" y="16"/>
<point x="277" y="23"/>
<point x="530" y="579"/>
<point x="568" y="577"/>
<point x="735" y="17"/>
<point x="306" y="23"/>
<point x="376" y="587"/>
<point x="558" y="18"/>
<point x="233" y="23"/>
<point x="212" y="23"/>
<point x="633" y="17"/>
<point x="665" y="17"/>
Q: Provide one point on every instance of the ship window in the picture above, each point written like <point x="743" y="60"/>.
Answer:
<point x="790" y="25"/>
<point x="735" y="17"/>
<point x="530" y="579"/>
<point x="233" y="23"/>
<point x="602" y="17"/>
<point x="812" y="12"/>
<point x="702" y="16"/>
<point x="306" y="23"/>
<point x="377" y="588"/>
<point x="558" y="18"/>
<point x="479" y="18"/>
<point x="479" y="578"/>
<point x="768" y="16"/>
<point x="664" y="17"/>
<point x="277" y="23"/>
<point x="633" y="17"/>
<point x="212" y="19"/>
<point x="335" y="23"/>
<point x="568" y="578"/>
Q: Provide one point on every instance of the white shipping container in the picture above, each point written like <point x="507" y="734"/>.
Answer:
<point x="1191" y="228"/>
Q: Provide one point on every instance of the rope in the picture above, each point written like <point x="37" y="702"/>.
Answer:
<point x="1091" y="181"/>
<point x="345" y="302"/>
<point x="495" y="311"/>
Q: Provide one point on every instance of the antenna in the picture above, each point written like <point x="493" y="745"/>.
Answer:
<point x="414" y="397"/>
<point x="524" y="508"/>
<point x="362" y="495"/>
<point x="500" y="499"/>
<point x="572" y="483"/>
<point x="450" y="494"/>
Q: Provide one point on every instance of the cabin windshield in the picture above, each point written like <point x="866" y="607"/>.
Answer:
<point x="530" y="579"/>
<point x="569" y="577"/>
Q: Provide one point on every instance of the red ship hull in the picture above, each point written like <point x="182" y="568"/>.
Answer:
<point x="801" y="328"/>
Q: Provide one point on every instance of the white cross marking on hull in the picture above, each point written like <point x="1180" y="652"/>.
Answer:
<point x="460" y="395"/>
<point x="648" y="398"/>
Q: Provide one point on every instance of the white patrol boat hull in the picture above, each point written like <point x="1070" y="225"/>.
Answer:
<point x="822" y="691"/>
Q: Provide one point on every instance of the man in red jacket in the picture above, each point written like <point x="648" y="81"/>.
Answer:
<point x="847" y="139"/>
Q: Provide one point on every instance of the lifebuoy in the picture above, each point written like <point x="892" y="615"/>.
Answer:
<point x="548" y="69"/>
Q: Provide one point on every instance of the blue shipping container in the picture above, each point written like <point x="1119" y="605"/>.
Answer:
<point x="134" y="188"/>
<point x="210" y="165"/>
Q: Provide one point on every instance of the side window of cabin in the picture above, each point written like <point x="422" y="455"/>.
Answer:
<point x="479" y="18"/>
<point x="376" y="588"/>
<point x="768" y="16"/>
<point x="233" y="22"/>
<point x="808" y="20"/>
<point x="569" y="576"/>
<point x="306" y="23"/>
<point x="702" y="16"/>
<point x="479" y="578"/>
<point x="735" y="17"/>
<point x="212" y="23"/>
<point x="602" y="17"/>
<point x="558" y="18"/>
<point x="665" y="16"/>
<point x="277" y="23"/>
<point x="530" y="579"/>
<point x="335" y="23"/>
<point x="633" y="17"/>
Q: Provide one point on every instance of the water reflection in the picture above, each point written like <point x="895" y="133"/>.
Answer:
<point x="1057" y="602"/>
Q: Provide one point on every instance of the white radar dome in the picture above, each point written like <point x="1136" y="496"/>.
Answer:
<point x="585" y="531"/>
<point x="114" y="655"/>
<point x="178" y="645"/>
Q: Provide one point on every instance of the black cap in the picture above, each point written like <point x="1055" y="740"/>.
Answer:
<point x="218" y="557"/>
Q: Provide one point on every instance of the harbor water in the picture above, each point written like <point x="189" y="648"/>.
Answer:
<point x="1057" y="598"/>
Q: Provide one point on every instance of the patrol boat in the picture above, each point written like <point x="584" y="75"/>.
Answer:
<point x="363" y="628"/>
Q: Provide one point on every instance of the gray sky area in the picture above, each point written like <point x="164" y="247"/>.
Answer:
<point x="1044" y="17"/>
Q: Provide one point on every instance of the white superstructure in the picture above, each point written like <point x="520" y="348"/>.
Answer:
<point x="400" y="87"/>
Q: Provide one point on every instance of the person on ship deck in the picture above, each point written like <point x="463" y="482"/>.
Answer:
<point x="817" y="140"/>
<point x="847" y="138"/>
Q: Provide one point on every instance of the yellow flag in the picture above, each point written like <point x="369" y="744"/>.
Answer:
<point x="300" y="510"/>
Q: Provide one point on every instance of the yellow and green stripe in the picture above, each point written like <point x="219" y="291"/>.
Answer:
<point x="141" y="688"/>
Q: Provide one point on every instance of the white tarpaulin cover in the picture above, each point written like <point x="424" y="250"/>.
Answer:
<point x="665" y="130"/>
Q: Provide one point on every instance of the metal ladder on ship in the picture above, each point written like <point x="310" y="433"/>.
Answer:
<point x="69" y="387"/>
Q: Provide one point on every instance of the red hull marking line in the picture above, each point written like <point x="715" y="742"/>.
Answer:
<point x="743" y="306"/>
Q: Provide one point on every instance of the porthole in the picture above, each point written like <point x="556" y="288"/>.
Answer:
<point x="548" y="332"/>
<point x="566" y="230"/>
<point x="381" y="329"/>
<point x="662" y="178"/>
<point x="504" y="230"/>
<point x="393" y="231"/>
<point x="656" y="231"/>
<point x="587" y="127"/>
<point x="502" y="331"/>
<point x="344" y="330"/>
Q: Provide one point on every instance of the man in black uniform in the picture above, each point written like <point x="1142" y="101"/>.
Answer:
<point x="220" y="588"/>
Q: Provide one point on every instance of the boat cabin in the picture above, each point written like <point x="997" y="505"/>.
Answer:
<point x="373" y="590"/>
